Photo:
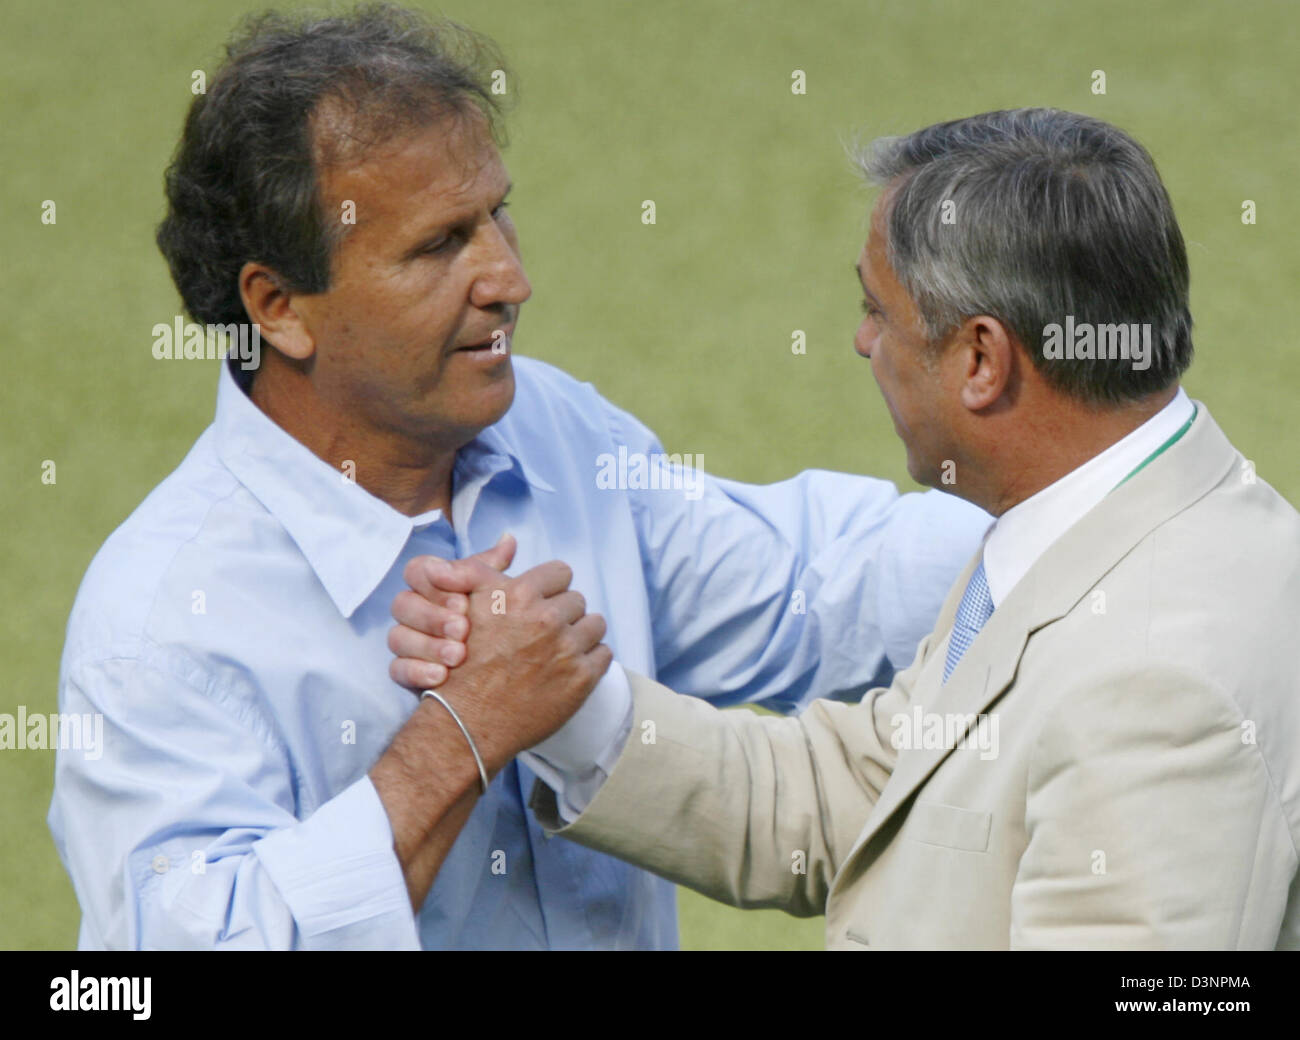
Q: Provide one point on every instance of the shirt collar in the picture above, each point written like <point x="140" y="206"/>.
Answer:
<point x="350" y="538"/>
<point x="492" y="443"/>
<point x="1024" y="532"/>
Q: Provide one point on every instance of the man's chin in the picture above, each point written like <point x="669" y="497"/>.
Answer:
<point x="922" y="472"/>
<point x="496" y="398"/>
<point x="465" y="407"/>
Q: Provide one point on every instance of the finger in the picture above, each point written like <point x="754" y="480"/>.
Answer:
<point x="408" y="642"/>
<point x="416" y="675"/>
<point x="416" y="575"/>
<point x="414" y="611"/>
<point x="546" y="579"/>
<point x="427" y="573"/>
<point x="598" y="658"/>
<point x="587" y="631"/>
<point x="501" y="555"/>
<point x="569" y="606"/>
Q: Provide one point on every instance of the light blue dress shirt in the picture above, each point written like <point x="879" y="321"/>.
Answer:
<point x="232" y="632"/>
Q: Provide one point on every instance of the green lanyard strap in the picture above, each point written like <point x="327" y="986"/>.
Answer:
<point x="1163" y="448"/>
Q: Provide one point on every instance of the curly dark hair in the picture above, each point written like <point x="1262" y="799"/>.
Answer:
<point x="243" y="184"/>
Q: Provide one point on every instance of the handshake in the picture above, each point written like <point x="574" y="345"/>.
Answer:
<point x="516" y="657"/>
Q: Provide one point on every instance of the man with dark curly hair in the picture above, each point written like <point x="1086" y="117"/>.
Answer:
<point x="266" y="781"/>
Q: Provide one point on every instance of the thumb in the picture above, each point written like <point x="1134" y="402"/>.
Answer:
<point x="499" y="557"/>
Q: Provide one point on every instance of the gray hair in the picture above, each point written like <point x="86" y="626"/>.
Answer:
<point x="1052" y="214"/>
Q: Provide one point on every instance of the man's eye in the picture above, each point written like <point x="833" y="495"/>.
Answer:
<point x="440" y="246"/>
<point x="869" y="310"/>
<point x="499" y="212"/>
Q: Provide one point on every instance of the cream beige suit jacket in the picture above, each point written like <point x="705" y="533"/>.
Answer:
<point x="1144" y="677"/>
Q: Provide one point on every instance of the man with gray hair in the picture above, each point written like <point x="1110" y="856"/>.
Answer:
<point x="1097" y="744"/>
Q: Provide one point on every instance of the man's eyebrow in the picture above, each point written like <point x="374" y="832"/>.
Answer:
<point x="431" y="234"/>
<point x="862" y="282"/>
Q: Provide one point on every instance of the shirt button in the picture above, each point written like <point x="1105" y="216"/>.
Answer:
<point x="160" y="864"/>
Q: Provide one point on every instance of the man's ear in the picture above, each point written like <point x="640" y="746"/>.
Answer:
<point x="990" y="358"/>
<point x="271" y="306"/>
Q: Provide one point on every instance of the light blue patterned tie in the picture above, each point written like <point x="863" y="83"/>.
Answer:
<point x="975" y="609"/>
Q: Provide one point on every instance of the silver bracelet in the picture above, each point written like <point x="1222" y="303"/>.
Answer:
<point x="482" y="773"/>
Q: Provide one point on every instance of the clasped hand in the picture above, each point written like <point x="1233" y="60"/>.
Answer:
<point x="516" y="656"/>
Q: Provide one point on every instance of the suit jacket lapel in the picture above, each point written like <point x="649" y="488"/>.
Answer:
<point x="1048" y="591"/>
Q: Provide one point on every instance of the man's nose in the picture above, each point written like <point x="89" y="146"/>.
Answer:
<point x="502" y="278"/>
<point x="862" y="344"/>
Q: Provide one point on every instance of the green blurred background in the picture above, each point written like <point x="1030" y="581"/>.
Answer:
<point x="688" y="322"/>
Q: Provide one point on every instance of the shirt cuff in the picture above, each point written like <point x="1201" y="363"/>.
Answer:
<point x="340" y="877"/>
<point x="575" y="761"/>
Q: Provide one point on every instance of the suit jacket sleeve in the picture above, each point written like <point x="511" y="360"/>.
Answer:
<point x="751" y="810"/>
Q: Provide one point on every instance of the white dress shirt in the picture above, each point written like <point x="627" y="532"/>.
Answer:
<point x="1024" y="532"/>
